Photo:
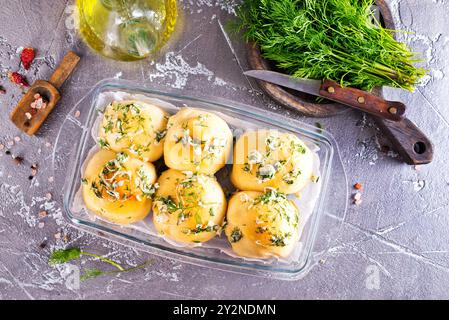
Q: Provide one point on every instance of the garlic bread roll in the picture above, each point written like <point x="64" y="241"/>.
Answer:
<point x="135" y="127"/>
<point x="269" y="158"/>
<point x="118" y="187"/>
<point x="188" y="207"/>
<point x="262" y="225"/>
<point x="197" y="141"/>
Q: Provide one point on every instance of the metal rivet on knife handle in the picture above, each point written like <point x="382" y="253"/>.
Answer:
<point x="334" y="91"/>
<point x="393" y="110"/>
<point x="362" y="100"/>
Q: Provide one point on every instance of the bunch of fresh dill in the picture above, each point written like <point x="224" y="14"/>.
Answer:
<point x="338" y="40"/>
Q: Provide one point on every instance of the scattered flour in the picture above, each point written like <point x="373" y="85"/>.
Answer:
<point x="196" y="6"/>
<point x="219" y="82"/>
<point x="170" y="276"/>
<point x="51" y="207"/>
<point x="438" y="74"/>
<point x="427" y="44"/>
<point x="12" y="198"/>
<point x="368" y="149"/>
<point x="418" y="185"/>
<point x="176" y="69"/>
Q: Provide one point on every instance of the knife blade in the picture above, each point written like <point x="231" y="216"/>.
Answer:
<point x="355" y="98"/>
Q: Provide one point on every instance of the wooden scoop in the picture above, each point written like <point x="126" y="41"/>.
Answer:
<point x="29" y="119"/>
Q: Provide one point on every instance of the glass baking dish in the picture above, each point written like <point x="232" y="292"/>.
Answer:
<point x="75" y="140"/>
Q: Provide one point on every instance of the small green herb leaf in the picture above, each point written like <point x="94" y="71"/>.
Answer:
<point x="198" y="218"/>
<point x="91" y="273"/>
<point x="103" y="144"/>
<point x="64" y="255"/>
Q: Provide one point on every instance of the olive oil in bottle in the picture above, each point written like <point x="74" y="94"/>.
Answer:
<point x="126" y="29"/>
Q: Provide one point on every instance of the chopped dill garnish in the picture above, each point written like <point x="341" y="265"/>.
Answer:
<point x="160" y="135"/>
<point x="103" y="144"/>
<point x="236" y="235"/>
<point x="280" y="240"/>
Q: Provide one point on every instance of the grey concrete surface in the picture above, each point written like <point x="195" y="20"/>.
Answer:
<point x="401" y="230"/>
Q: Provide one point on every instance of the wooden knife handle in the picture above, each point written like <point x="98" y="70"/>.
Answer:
<point x="64" y="69"/>
<point x="408" y="140"/>
<point x="363" y="100"/>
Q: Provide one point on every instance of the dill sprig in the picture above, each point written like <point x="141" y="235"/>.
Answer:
<point x="338" y="40"/>
<point x="94" y="272"/>
<point x="62" y="256"/>
<point x="66" y="255"/>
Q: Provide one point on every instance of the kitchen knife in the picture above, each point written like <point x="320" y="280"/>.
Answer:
<point x="407" y="139"/>
<point x="355" y="98"/>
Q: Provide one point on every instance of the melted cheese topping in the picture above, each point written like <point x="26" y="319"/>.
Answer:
<point x="271" y="159"/>
<point x="197" y="141"/>
<point x="134" y="127"/>
<point x="262" y="225"/>
<point x="118" y="187"/>
<point x="188" y="207"/>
